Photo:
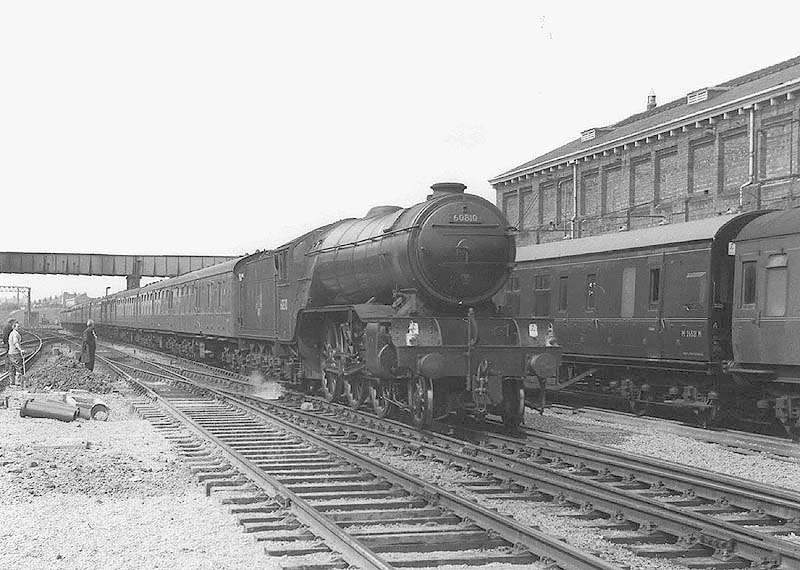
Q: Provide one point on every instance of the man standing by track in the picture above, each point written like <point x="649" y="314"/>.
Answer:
<point x="15" y="353"/>
<point x="89" y="345"/>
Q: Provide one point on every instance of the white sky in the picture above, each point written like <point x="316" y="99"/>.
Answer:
<point x="223" y="127"/>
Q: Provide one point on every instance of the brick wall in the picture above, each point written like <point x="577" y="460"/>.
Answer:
<point x="697" y="172"/>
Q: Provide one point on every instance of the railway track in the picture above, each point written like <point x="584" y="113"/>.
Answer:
<point x="32" y="344"/>
<point x="743" y="443"/>
<point x="307" y="490"/>
<point x="655" y="508"/>
<point x="660" y="510"/>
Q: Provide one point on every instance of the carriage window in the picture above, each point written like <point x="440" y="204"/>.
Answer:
<point x="562" y="292"/>
<point x="541" y="295"/>
<point x="776" y="285"/>
<point x="695" y="289"/>
<point x="591" y="291"/>
<point x="628" y="292"/>
<point x="749" y="283"/>
<point x="513" y="283"/>
<point x="655" y="285"/>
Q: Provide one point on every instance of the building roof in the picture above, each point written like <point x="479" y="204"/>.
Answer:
<point x="774" y="224"/>
<point x="696" y="230"/>
<point x="784" y="76"/>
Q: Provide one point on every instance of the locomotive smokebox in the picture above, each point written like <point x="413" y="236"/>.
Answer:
<point x="445" y="188"/>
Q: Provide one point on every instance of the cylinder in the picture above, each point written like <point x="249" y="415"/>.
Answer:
<point x="48" y="409"/>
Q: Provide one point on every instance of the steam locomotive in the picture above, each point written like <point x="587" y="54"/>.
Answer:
<point x="394" y="310"/>
<point x="701" y="316"/>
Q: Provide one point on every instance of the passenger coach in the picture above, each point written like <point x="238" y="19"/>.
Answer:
<point x="642" y="314"/>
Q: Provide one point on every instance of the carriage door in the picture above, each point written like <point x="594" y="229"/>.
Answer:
<point x="654" y="336"/>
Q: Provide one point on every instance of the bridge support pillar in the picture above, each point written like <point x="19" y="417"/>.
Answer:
<point x="133" y="281"/>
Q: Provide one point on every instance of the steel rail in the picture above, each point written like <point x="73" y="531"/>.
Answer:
<point x="701" y="528"/>
<point x="715" y="533"/>
<point x="349" y="547"/>
<point x="704" y="529"/>
<point x="534" y="540"/>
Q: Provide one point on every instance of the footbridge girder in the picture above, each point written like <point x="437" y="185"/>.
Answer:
<point x="132" y="267"/>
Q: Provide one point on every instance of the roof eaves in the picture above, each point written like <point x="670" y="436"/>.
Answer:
<point x="740" y="102"/>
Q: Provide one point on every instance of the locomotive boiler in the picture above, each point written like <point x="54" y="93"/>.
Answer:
<point x="393" y="310"/>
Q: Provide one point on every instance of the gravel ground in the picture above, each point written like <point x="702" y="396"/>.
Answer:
<point x="648" y="440"/>
<point x="110" y="494"/>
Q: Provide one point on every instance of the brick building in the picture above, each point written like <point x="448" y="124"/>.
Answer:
<point x="732" y="147"/>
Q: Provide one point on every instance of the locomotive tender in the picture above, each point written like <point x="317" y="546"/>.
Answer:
<point x="394" y="309"/>
<point x="701" y="315"/>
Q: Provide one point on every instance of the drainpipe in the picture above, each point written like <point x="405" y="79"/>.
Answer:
<point x="751" y="163"/>
<point x="574" y="199"/>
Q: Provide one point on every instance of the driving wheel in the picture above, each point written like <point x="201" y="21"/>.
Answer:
<point x="331" y="366"/>
<point x="420" y="401"/>
<point x="377" y="399"/>
<point x="354" y="392"/>
<point x="513" y="404"/>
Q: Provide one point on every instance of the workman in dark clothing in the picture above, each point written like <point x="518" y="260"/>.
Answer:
<point x="89" y="345"/>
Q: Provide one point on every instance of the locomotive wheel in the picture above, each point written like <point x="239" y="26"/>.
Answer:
<point x="330" y="386"/>
<point x="514" y="406"/>
<point x="354" y="391"/>
<point x="332" y="382"/>
<point x="377" y="399"/>
<point x="420" y="401"/>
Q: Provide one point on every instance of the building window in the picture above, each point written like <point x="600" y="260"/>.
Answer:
<point x="562" y="293"/>
<point x="591" y="291"/>
<point x="776" y="285"/>
<point x="776" y="149"/>
<point x="748" y="283"/>
<point x="655" y="285"/>
<point x="541" y="295"/>
<point x="511" y="208"/>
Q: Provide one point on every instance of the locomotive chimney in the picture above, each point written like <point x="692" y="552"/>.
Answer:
<point x="444" y="188"/>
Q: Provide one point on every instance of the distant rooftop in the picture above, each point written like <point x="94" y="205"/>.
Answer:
<point x="700" y="104"/>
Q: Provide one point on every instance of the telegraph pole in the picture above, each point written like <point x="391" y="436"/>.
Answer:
<point x="18" y="290"/>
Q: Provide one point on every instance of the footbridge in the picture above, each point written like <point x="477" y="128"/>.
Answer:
<point x="132" y="267"/>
